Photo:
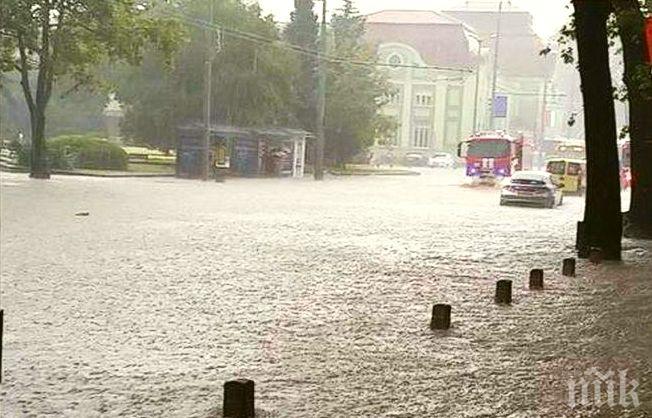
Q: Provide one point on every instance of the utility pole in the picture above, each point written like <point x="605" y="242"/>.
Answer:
<point x="494" y="80"/>
<point x="321" y="98"/>
<point x="208" y="89"/>
<point x="544" y="114"/>
<point x="477" y="88"/>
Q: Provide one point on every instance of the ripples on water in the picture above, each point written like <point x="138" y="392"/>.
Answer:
<point x="319" y="293"/>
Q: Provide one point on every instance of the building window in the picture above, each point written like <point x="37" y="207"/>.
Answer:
<point x="421" y="137"/>
<point x="424" y="100"/>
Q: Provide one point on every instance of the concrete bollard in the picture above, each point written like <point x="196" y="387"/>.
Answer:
<point x="568" y="268"/>
<point x="239" y="399"/>
<point x="504" y="292"/>
<point x="441" y="317"/>
<point x="536" y="279"/>
<point x="595" y="255"/>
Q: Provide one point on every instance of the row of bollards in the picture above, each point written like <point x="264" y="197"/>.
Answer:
<point x="441" y="313"/>
<point x="239" y="394"/>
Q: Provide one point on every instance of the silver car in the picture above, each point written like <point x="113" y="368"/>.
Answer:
<point x="532" y="188"/>
<point x="441" y="159"/>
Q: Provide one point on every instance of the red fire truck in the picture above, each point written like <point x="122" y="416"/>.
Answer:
<point x="491" y="156"/>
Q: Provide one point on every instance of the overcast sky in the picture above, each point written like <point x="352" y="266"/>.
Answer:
<point x="549" y="15"/>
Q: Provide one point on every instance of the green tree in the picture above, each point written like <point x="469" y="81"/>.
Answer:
<point x="303" y="32"/>
<point x="630" y="22"/>
<point x="602" y="225"/>
<point x="628" y="27"/>
<point x="356" y="90"/>
<point x="71" y="38"/>
<point x="252" y="75"/>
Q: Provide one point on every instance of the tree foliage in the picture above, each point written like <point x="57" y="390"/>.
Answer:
<point x="251" y="75"/>
<point x="355" y="92"/>
<point x="303" y="32"/>
<point x="256" y="79"/>
<point x="56" y="38"/>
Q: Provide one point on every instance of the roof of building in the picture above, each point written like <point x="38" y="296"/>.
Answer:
<point x="519" y="44"/>
<point x="412" y="17"/>
<point x="272" y="133"/>
<point x="440" y="39"/>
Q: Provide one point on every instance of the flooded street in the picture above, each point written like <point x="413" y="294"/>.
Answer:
<point x="321" y="293"/>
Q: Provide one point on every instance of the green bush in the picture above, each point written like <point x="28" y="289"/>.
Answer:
<point x="78" y="151"/>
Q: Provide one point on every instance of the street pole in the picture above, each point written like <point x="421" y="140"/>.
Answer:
<point x="494" y="80"/>
<point x="477" y="89"/>
<point x="321" y="99"/>
<point x="208" y="89"/>
<point x="544" y="111"/>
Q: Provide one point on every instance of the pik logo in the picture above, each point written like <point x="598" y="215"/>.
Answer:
<point x="599" y="389"/>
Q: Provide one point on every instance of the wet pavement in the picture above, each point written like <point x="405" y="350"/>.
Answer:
<point x="321" y="293"/>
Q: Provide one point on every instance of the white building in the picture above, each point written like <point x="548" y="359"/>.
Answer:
<point x="442" y="64"/>
<point x="431" y="60"/>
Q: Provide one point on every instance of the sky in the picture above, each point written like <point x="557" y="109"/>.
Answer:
<point x="549" y="15"/>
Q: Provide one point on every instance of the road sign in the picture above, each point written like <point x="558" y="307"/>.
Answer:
<point x="500" y="106"/>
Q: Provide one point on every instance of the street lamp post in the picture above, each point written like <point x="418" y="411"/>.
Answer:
<point x="477" y="88"/>
<point x="321" y="98"/>
<point x="494" y="80"/>
<point x="208" y="89"/>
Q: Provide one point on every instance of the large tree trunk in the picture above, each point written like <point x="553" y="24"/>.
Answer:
<point x="631" y="26"/>
<point x="602" y="227"/>
<point x="38" y="166"/>
<point x="38" y="102"/>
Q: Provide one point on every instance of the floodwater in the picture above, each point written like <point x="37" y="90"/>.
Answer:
<point x="321" y="293"/>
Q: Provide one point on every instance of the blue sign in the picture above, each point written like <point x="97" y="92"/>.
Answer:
<point x="500" y="106"/>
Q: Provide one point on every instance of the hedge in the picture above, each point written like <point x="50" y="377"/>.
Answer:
<point x="79" y="151"/>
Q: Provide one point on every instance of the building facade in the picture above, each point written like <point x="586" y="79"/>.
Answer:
<point x="524" y="75"/>
<point x="431" y="62"/>
<point x="442" y="67"/>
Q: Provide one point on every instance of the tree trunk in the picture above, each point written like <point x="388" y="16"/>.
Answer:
<point x="38" y="167"/>
<point x="631" y="27"/>
<point x="37" y="103"/>
<point x="602" y="215"/>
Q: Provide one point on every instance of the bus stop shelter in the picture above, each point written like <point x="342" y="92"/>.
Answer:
<point x="247" y="152"/>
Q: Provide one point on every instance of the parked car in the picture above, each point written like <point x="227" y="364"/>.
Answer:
<point x="532" y="188"/>
<point x="442" y="159"/>
<point x="415" y="159"/>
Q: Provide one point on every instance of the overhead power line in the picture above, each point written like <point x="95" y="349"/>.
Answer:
<point x="259" y="39"/>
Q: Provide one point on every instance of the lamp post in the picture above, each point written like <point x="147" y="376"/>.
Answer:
<point x="494" y="80"/>
<point x="208" y="89"/>
<point x="477" y="88"/>
<point x="321" y="98"/>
